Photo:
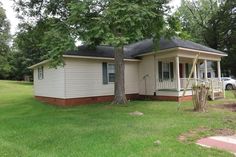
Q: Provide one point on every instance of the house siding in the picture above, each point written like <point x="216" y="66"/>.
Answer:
<point x="52" y="85"/>
<point x="83" y="78"/>
<point x="146" y="67"/>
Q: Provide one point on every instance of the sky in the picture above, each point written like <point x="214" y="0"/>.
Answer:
<point x="11" y="15"/>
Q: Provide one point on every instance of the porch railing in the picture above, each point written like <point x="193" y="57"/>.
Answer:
<point x="215" y="85"/>
<point x="192" y="81"/>
<point x="166" y="84"/>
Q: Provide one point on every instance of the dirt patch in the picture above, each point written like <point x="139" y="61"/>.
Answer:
<point x="231" y="107"/>
<point x="200" y="132"/>
<point x="224" y="132"/>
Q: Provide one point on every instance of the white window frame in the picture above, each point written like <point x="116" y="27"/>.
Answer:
<point x="109" y="72"/>
<point x="40" y="73"/>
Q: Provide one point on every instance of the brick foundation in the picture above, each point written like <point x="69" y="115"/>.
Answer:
<point x="185" y="98"/>
<point x="109" y="98"/>
<point x="82" y="101"/>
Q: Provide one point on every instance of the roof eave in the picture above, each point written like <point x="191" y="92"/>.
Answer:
<point x="100" y="58"/>
<point x="201" y="51"/>
<point x="82" y="57"/>
<point x="186" y="49"/>
<point x="38" y="64"/>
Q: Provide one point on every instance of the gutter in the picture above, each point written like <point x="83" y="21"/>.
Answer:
<point x="98" y="58"/>
<point x="82" y="57"/>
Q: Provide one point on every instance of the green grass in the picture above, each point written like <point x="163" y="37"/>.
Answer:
<point x="31" y="128"/>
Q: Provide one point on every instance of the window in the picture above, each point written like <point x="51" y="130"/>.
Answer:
<point x="188" y="68"/>
<point x="108" y="72"/>
<point x="40" y="73"/>
<point x="111" y="72"/>
<point x="166" y="71"/>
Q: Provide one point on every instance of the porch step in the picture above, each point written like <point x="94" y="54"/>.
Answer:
<point x="218" y="95"/>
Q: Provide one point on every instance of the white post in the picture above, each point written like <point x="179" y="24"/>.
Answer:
<point x="219" y="77"/>
<point x="212" y="91"/>
<point x="219" y="70"/>
<point x="177" y="73"/>
<point x="198" y="70"/>
<point x="205" y="70"/>
<point x="157" y="75"/>
<point x="195" y="74"/>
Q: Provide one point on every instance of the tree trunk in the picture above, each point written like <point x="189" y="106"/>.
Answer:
<point x="120" y="97"/>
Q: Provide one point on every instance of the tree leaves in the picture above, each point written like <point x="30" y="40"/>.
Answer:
<point x="194" y="16"/>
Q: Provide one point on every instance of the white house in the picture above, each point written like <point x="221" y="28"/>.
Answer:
<point x="211" y="73"/>
<point x="88" y="74"/>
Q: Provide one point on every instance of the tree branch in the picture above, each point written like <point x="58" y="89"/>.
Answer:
<point x="199" y="23"/>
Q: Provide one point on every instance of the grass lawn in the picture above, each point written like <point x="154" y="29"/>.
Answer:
<point x="31" y="128"/>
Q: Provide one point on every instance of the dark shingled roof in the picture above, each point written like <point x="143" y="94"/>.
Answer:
<point x="145" y="46"/>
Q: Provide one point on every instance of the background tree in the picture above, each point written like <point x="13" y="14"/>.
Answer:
<point x="33" y="43"/>
<point x="4" y="44"/>
<point x="26" y="49"/>
<point x="222" y="26"/>
<point x="211" y="24"/>
<point x="112" y="22"/>
<point x="194" y="17"/>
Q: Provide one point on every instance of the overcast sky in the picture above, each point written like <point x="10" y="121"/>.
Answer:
<point x="11" y="15"/>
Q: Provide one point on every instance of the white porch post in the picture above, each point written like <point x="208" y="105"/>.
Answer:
<point x="205" y="69"/>
<point x="195" y="71"/>
<point x="219" y="77"/>
<point x="219" y="70"/>
<point x="198" y="70"/>
<point x="157" y="74"/>
<point x="195" y="74"/>
<point x="177" y="73"/>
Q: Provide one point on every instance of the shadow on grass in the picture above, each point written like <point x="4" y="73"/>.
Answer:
<point x="22" y="83"/>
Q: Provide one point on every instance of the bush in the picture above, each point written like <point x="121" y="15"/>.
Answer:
<point x="200" y="96"/>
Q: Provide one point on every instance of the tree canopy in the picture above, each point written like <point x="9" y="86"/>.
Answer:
<point x="112" y="22"/>
<point x="223" y="33"/>
<point x="194" y="17"/>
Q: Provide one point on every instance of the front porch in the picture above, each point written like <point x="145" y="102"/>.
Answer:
<point x="173" y="70"/>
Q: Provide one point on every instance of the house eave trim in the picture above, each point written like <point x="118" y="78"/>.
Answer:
<point x="184" y="49"/>
<point x="38" y="64"/>
<point x="99" y="58"/>
<point x="206" y="52"/>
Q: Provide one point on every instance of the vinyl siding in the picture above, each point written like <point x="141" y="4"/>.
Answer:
<point x="52" y="85"/>
<point x="146" y="67"/>
<point x="83" y="78"/>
